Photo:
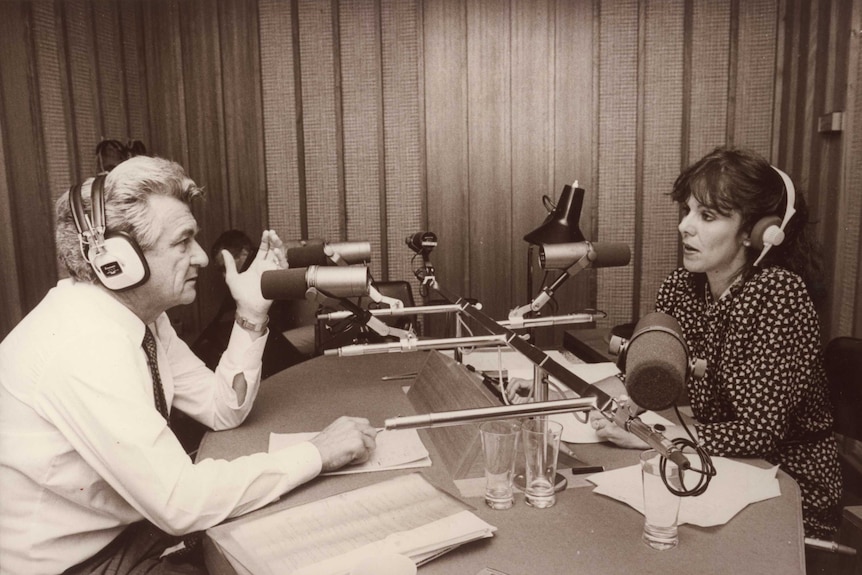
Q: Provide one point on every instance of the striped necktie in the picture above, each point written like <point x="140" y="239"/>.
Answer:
<point x="149" y="345"/>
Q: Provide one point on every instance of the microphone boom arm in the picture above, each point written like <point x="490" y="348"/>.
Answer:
<point x="603" y="402"/>
<point x="362" y="315"/>
<point x="548" y="292"/>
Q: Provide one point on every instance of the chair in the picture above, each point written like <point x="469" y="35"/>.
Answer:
<point x="330" y="335"/>
<point x="843" y="362"/>
<point x="400" y="290"/>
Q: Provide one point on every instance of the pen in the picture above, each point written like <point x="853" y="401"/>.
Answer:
<point x="581" y="469"/>
<point x="396" y="377"/>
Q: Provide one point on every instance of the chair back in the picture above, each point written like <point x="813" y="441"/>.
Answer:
<point x="401" y="290"/>
<point x="843" y="362"/>
<point x="333" y="334"/>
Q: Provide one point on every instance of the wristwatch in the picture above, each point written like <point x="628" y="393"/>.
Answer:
<point x="245" y="324"/>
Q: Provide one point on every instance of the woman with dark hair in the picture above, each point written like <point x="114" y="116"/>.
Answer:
<point x="744" y="299"/>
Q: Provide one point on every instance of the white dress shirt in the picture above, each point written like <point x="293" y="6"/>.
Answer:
<point x="84" y="451"/>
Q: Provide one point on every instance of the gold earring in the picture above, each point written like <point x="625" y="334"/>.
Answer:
<point x="746" y="243"/>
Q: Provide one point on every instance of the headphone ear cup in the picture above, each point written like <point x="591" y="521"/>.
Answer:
<point x="121" y="265"/>
<point x="766" y="230"/>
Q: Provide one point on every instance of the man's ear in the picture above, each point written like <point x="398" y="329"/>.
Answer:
<point x="241" y="259"/>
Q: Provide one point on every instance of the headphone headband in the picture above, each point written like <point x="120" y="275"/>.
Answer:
<point x="115" y="257"/>
<point x="774" y="235"/>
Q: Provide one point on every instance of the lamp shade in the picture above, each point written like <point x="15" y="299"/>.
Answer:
<point x="562" y="224"/>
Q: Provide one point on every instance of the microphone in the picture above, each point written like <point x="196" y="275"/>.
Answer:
<point x="327" y="254"/>
<point x="422" y="242"/>
<point x="590" y="254"/>
<point x="293" y="283"/>
<point x="656" y="361"/>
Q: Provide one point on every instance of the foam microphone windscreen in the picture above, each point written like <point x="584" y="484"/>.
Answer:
<point x="656" y="362"/>
<point x="284" y="284"/>
<point x="610" y="254"/>
<point x="305" y="256"/>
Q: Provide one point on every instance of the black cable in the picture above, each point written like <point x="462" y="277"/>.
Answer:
<point x="705" y="473"/>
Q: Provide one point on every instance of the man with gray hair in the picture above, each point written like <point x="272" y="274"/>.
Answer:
<point x="94" y="480"/>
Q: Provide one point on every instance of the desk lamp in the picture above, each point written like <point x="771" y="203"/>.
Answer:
<point x="561" y="226"/>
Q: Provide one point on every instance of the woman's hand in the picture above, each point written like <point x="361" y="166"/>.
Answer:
<point x="519" y="390"/>
<point x="609" y="431"/>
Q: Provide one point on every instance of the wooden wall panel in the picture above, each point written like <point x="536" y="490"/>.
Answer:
<point x="403" y="139"/>
<point x="362" y="101"/>
<point x="660" y="146"/>
<point x="12" y="309"/>
<point x="618" y="108"/>
<point x="532" y="145"/>
<point x="84" y="104"/>
<point x="29" y="200"/>
<point x="205" y="144"/>
<point x="755" y="76"/>
<point x="377" y="119"/>
<point x="52" y="100"/>
<point x="163" y="41"/>
<point x="163" y="47"/>
<point x="709" y="82"/>
<point x="489" y="155"/>
<point x="847" y="291"/>
<point x="321" y="117"/>
<point x="281" y="136"/>
<point x="243" y="122"/>
<point x="109" y="79"/>
<point x="445" y="67"/>
<point x="574" y="132"/>
<point x="134" y="71"/>
<point x="574" y="119"/>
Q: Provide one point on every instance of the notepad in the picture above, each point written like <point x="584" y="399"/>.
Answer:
<point x="405" y="515"/>
<point x="396" y="449"/>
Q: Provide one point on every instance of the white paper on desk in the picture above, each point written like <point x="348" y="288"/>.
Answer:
<point x="396" y="449"/>
<point x="734" y="486"/>
<point x="518" y="365"/>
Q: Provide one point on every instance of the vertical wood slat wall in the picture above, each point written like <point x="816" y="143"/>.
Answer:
<point x="371" y="120"/>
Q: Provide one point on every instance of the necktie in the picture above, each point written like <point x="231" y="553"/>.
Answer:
<point x="149" y="345"/>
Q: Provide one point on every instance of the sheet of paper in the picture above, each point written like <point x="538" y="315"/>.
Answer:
<point x="405" y="514"/>
<point x="734" y="486"/>
<point x="396" y="449"/>
<point x="517" y="365"/>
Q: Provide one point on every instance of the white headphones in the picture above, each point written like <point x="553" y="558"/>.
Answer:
<point x="115" y="256"/>
<point x="769" y="231"/>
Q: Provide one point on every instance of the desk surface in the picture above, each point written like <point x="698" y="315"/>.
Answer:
<point x="582" y="533"/>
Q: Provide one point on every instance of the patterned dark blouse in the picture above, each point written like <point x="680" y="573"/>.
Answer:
<point x="765" y="392"/>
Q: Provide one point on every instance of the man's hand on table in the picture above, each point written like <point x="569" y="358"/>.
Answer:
<point x="346" y="440"/>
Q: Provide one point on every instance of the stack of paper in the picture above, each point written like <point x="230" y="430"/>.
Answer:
<point x="396" y="449"/>
<point x="734" y="486"/>
<point x="405" y="515"/>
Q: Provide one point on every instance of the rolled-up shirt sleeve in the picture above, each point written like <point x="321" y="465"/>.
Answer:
<point x="206" y="396"/>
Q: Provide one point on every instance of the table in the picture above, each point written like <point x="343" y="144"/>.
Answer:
<point x="582" y="533"/>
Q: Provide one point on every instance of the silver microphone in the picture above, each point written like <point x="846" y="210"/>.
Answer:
<point x="592" y="254"/>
